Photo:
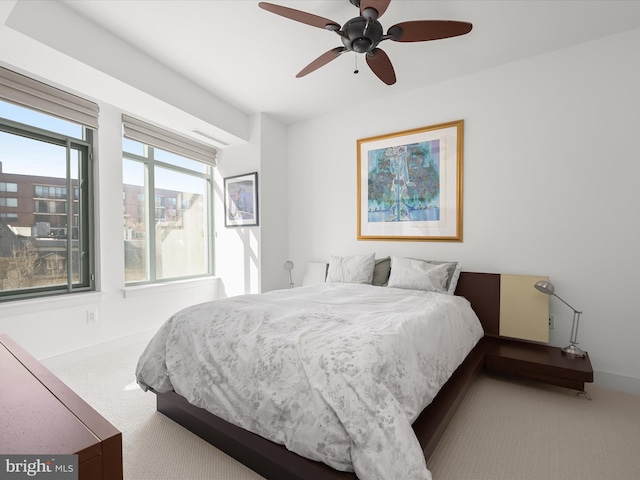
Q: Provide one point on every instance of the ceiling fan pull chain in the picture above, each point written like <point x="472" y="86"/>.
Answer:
<point x="356" y="58"/>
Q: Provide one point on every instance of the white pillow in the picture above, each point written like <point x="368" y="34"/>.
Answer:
<point x="351" y="269"/>
<point x="417" y="274"/>
<point x="455" y="276"/>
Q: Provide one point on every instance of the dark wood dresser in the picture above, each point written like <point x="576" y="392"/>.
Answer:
<point x="41" y="415"/>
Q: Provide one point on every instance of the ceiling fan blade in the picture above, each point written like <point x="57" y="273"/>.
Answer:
<point x="379" y="6"/>
<point x="321" y="61"/>
<point x="299" y="16"/>
<point x="380" y="64"/>
<point x="425" y="30"/>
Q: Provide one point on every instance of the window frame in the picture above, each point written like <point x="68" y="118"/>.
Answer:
<point x="86" y="209"/>
<point x="150" y="163"/>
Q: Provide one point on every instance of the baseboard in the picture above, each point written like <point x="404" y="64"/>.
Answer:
<point x="617" y="382"/>
<point x="85" y="353"/>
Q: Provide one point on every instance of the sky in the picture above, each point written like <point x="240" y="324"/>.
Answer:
<point x="43" y="158"/>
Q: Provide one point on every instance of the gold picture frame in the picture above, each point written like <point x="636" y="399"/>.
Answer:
<point x="410" y="184"/>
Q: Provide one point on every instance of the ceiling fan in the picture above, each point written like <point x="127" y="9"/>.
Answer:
<point x="363" y="34"/>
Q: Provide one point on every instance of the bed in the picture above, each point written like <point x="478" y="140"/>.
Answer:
<point x="334" y="358"/>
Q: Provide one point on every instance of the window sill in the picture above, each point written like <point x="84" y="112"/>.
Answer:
<point x="31" y="305"/>
<point x="158" y="288"/>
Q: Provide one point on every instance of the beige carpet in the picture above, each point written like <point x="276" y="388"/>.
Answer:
<point x="510" y="429"/>
<point x="505" y="429"/>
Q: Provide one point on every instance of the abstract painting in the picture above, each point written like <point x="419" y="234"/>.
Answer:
<point x="410" y="184"/>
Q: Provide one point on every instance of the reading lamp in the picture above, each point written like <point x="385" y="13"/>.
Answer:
<point x="572" y="350"/>
<point x="288" y="266"/>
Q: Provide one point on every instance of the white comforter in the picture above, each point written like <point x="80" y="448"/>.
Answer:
<point x="336" y="372"/>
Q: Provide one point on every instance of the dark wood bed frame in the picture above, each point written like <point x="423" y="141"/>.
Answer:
<point x="275" y="462"/>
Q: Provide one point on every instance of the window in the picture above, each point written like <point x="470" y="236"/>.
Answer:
<point x="9" y="217"/>
<point x="45" y="204"/>
<point x="163" y="242"/>
<point x="8" y="202"/>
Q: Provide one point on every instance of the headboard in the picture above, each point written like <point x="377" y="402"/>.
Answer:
<point x="483" y="291"/>
<point x="507" y="305"/>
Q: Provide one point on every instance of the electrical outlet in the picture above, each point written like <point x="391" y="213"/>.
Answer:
<point x="551" y="322"/>
<point x="92" y="316"/>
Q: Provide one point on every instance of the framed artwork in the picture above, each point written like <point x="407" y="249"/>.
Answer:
<point x="410" y="184"/>
<point x="241" y="200"/>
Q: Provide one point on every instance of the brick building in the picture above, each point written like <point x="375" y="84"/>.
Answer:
<point x="36" y="206"/>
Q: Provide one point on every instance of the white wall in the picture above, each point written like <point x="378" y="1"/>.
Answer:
<point x="237" y="255"/>
<point x="550" y="186"/>
<point x="274" y="206"/>
<point x="251" y="259"/>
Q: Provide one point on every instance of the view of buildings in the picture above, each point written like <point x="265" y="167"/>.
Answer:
<point x="34" y="229"/>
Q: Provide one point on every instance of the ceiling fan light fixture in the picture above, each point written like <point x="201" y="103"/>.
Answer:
<point x="361" y="45"/>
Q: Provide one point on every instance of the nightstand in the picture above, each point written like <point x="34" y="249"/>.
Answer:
<point x="538" y="362"/>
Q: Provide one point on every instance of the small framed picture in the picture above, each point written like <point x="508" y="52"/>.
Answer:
<point x="241" y="200"/>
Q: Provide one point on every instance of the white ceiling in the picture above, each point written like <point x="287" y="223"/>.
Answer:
<point x="249" y="57"/>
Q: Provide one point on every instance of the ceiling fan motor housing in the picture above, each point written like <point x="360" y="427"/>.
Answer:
<point x="357" y="38"/>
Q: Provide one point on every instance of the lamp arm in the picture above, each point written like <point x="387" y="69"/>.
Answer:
<point x="575" y="311"/>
